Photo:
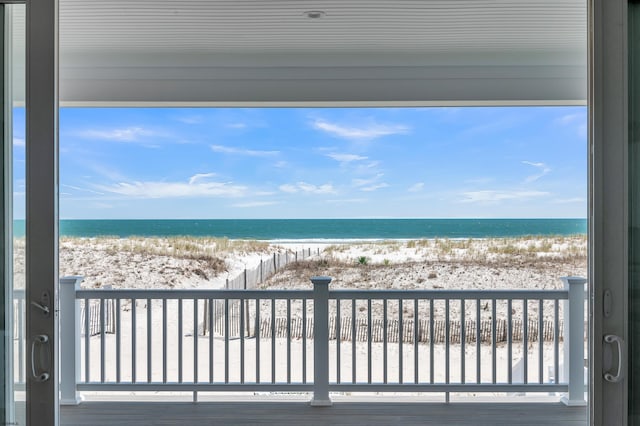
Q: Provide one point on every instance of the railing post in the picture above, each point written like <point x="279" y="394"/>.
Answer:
<point x="69" y="340"/>
<point x="320" y="342"/>
<point x="573" y="371"/>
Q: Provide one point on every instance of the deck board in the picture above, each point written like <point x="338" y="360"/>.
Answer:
<point x="122" y="413"/>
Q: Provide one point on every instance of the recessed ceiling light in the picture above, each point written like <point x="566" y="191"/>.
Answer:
<point x="315" y="14"/>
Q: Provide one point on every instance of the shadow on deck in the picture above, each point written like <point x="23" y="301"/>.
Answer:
<point x="287" y="412"/>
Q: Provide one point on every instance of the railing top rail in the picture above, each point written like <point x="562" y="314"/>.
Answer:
<point x="449" y="294"/>
<point x="308" y="294"/>
<point x="192" y="294"/>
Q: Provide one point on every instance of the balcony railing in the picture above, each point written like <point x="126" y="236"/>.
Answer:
<point x="321" y="340"/>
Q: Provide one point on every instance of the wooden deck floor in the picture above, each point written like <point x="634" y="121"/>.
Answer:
<point x="372" y="412"/>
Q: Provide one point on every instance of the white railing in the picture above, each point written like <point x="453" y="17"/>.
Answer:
<point x="311" y="340"/>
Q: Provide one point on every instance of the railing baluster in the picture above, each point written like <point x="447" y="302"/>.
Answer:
<point x="180" y="340"/>
<point x="195" y="340"/>
<point x="288" y="340"/>
<point x="510" y="340"/>
<point x="416" y="336"/>
<point x="463" y="338"/>
<point x="134" y="343"/>
<point x="258" y="337"/>
<point x="164" y="341"/>
<point x="369" y="345"/>
<point x="273" y="340"/>
<point x="149" y="341"/>
<point x="384" y="341"/>
<point x="102" y="341"/>
<point x="540" y="343"/>
<point x="494" y="347"/>
<point x="525" y="341"/>
<point x="118" y="342"/>
<point x="242" y="326"/>
<point x="304" y="340"/>
<point x="21" y="342"/>
<point x="353" y="341"/>
<point x="447" y="343"/>
<point x="226" y="340"/>
<point x="338" y="340"/>
<point x="478" y="342"/>
<point x="556" y="342"/>
<point x="211" y="341"/>
<point x="431" y="343"/>
<point x="400" y="343"/>
<point x="87" y="341"/>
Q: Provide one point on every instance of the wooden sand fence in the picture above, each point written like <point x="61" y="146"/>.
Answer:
<point x="296" y="329"/>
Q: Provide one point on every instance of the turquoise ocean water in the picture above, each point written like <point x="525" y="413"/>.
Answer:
<point x="320" y="229"/>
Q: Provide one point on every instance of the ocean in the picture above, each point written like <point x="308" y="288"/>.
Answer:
<point x="320" y="229"/>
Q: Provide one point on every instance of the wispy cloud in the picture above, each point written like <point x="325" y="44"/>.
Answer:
<point x="347" y="200"/>
<point x="374" y="187"/>
<point x="569" y="200"/>
<point x="490" y="196"/>
<point x="370" y="184"/>
<point x="254" y="204"/>
<point x="543" y="170"/>
<point x="242" y="151"/>
<point x="308" y="188"/>
<point x="237" y="125"/>
<point x="159" y="189"/>
<point x="19" y="142"/>
<point x="416" y="187"/>
<point x="200" y="176"/>
<point x="579" y="120"/>
<point x="127" y="134"/>
<point x="362" y="132"/>
<point x="77" y="188"/>
<point x="191" y="119"/>
<point x="346" y="158"/>
<point x="569" y="118"/>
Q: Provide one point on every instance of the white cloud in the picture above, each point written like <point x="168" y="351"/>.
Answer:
<point x="237" y="125"/>
<point x="77" y="188"/>
<point x="374" y="187"/>
<point x="192" y="119"/>
<point x="255" y="204"/>
<point x="347" y="200"/>
<point x="490" y="196"/>
<point x="370" y="184"/>
<point x="370" y="131"/>
<point x="346" y="158"/>
<point x="192" y="188"/>
<point x="416" y="187"/>
<point x="281" y="164"/>
<point x="544" y="170"/>
<point x="569" y="200"/>
<point x="128" y="134"/>
<point x="200" y="176"/>
<point x="19" y="142"/>
<point x="241" y="151"/>
<point x="308" y="188"/>
<point x="569" y="118"/>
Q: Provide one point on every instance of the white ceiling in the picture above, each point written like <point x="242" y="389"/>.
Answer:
<point x="238" y="52"/>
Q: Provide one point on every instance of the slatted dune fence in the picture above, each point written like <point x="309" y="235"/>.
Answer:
<point x="250" y="278"/>
<point x="393" y="329"/>
<point x="94" y="316"/>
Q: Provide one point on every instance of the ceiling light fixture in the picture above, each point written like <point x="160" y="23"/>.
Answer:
<point x="315" y="14"/>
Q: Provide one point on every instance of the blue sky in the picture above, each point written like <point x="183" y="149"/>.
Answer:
<point x="318" y="163"/>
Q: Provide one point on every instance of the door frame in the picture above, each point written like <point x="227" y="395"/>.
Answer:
<point x="41" y="255"/>
<point x="608" y="204"/>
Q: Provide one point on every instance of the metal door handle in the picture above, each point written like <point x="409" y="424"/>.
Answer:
<point x="40" y="366"/>
<point x="610" y="339"/>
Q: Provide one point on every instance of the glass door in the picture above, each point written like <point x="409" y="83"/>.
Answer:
<point x="12" y="322"/>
